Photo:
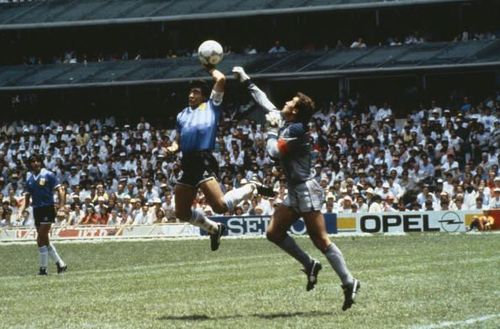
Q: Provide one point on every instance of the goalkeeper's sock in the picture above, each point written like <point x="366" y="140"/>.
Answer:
<point x="292" y="248"/>
<point x="336" y="260"/>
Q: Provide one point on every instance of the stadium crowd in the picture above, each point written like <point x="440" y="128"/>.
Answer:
<point x="74" y="56"/>
<point x="437" y="158"/>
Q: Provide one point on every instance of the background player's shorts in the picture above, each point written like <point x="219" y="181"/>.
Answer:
<point x="198" y="167"/>
<point x="305" y="197"/>
<point x="44" y="215"/>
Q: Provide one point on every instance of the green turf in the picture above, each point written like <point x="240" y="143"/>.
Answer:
<point x="407" y="282"/>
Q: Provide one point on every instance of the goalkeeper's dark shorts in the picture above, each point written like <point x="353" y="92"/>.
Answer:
<point x="198" y="167"/>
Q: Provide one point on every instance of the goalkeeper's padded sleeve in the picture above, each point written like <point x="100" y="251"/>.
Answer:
<point x="261" y="98"/>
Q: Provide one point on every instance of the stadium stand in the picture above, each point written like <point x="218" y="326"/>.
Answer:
<point x="66" y="12"/>
<point x="437" y="56"/>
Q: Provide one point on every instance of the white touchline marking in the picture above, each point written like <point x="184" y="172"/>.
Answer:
<point x="458" y="323"/>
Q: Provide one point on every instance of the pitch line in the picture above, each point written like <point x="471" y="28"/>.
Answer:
<point x="458" y="323"/>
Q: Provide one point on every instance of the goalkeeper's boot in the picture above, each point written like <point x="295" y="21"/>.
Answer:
<point x="61" y="269"/>
<point x="312" y="274"/>
<point x="262" y="189"/>
<point x="350" y="291"/>
<point x="215" y="237"/>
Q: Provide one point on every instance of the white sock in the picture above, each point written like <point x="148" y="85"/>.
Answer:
<point x="198" y="219"/>
<point x="44" y="256"/>
<point x="54" y="255"/>
<point x="233" y="197"/>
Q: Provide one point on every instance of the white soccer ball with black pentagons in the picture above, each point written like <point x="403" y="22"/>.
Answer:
<point x="210" y="52"/>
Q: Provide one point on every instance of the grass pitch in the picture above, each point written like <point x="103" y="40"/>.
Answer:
<point x="420" y="281"/>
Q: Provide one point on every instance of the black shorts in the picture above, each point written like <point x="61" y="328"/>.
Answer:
<point x="198" y="167"/>
<point x="44" y="215"/>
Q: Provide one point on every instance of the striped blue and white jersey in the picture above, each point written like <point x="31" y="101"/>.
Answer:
<point x="197" y="128"/>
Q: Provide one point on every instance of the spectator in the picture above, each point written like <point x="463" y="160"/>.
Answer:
<point x="277" y="48"/>
<point x="359" y="43"/>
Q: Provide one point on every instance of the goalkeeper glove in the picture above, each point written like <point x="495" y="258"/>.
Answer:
<point x="239" y="73"/>
<point x="274" y="119"/>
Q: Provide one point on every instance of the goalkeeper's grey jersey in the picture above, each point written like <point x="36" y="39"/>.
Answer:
<point x="295" y="153"/>
<point x="292" y="146"/>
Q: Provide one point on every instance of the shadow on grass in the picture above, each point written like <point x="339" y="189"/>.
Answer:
<point x="267" y="316"/>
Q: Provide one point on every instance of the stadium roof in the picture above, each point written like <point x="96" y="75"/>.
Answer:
<point x="301" y="64"/>
<point x="54" y="13"/>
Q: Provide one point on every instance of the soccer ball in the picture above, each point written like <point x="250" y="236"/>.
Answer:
<point x="210" y="52"/>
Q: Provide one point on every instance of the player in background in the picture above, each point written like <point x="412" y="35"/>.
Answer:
<point x="40" y="186"/>
<point x="196" y="131"/>
<point x="290" y="145"/>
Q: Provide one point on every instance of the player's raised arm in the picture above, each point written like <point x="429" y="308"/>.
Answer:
<point x="217" y="94"/>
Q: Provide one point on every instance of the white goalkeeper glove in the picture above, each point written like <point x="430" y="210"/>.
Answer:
<point x="274" y="122"/>
<point x="274" y="119"/>
<point x="240" y="74"/>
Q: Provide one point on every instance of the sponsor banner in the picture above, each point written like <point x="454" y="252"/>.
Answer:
<point x="100" y="232"/>
<point x="170" y="230"/>
<point x="407" y="222"/>
<point x="257" y="225"/>
<point x="495" y="213"/>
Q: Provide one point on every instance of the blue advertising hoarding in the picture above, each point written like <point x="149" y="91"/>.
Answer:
<point x="257" y="225"/>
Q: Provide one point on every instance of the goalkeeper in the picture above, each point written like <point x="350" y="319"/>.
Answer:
<point x="290" y="144"/>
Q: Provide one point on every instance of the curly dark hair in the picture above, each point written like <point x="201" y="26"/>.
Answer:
<point x="203" y="85"/>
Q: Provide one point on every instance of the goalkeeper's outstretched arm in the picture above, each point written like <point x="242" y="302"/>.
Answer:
<point x="258" y="95"/>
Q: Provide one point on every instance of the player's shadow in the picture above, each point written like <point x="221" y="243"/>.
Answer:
<point x="267" y="316"/>
<point x="270" y="316"/>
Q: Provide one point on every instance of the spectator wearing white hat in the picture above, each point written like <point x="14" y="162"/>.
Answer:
<point x="374" y="201"/>
<point x="385" y="191"/>
<point x="158" y="212"/>
<point x="345" y="205"/>
<point x="127" y="203"/>
<point x="495" y="199"/>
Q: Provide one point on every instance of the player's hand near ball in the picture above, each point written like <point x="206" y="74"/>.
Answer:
<point x="208" y="67"/>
